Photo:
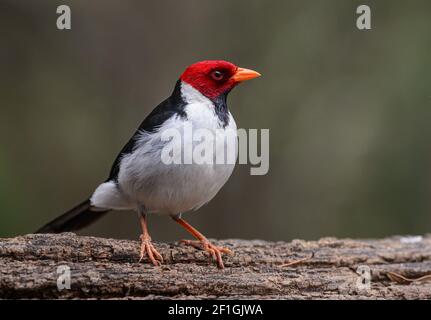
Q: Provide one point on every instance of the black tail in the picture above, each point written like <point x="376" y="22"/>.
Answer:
<point x="76" y="218"/>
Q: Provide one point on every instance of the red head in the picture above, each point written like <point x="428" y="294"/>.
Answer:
<point x="213" y="78"/>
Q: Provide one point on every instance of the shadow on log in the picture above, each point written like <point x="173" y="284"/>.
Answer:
<point x="107" y="268"/>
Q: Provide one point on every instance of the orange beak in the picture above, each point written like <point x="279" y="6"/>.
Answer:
<point x="243" y="74"/>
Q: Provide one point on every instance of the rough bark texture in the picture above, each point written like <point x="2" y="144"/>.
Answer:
<point x="108" y="268"/>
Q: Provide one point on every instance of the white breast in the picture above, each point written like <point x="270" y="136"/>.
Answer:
<point x="175" y="188"/>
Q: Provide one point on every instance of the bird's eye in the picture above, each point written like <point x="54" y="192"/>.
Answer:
<point x="217" y="75"/>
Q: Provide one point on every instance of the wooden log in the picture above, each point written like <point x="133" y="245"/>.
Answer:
<point x="399" y="268"/>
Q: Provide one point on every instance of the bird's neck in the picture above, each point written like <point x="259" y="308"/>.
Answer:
<point x="190" y="95"/>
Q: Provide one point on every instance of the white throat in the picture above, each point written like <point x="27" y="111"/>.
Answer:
<point x="191" y="95"/>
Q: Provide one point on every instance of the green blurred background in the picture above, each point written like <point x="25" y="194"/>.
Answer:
<point x="349" y="111"/>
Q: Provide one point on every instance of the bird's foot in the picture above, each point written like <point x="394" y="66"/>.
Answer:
<point x="147" y="248"/>
<point x="211" y="249"/>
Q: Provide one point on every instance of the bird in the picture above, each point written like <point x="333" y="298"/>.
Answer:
<point x="139" y="179"/>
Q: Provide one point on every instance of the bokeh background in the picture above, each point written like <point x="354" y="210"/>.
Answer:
<point x="349" y="111"/>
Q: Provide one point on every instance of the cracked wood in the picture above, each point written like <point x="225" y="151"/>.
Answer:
<point x="108" y="268"/>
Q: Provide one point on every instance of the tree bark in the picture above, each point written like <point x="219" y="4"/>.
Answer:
<point x="400" y="268"/>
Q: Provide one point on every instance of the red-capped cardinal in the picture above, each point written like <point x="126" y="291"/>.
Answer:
<point x="141" y="181"/>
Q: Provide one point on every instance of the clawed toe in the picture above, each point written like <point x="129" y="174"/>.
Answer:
<point x="214" y="251"/>
<point x="147" y="248"/>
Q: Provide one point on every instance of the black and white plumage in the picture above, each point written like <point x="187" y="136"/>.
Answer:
<point x="141" y="181"/>
<point x="140" y="178"/>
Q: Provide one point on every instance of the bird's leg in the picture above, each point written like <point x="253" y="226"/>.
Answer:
<point x="203" y="242"/>
<point x="146" y="244"/>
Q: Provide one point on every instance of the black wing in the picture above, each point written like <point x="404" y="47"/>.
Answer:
<point x="172" y="106"/>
